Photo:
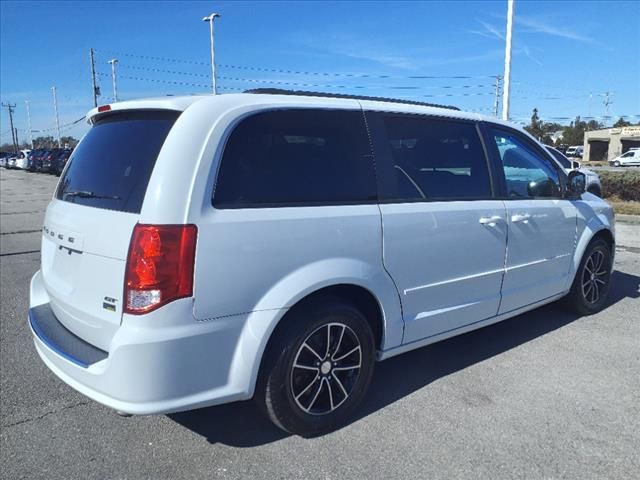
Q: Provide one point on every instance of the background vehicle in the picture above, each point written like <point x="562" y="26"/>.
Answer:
<point x="37" y="164"/>
<point x="299" y="239"/>
<point x="593" y="184"/>
<point x="21" y="159"/>
<point x="48" y="160"/>
<point x="3" y="158"/>
<point x="59" y="160"/>
<point x="575" y="151"/>
<point x="631" y="158"/>
<point x="11" y="161"/>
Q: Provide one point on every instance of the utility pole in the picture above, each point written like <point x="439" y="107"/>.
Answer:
<point x="113" y="63"/>
<point x="507" y="61"/>
<point x="17" y="141"/>
<point x="27" y="102"/>
<point x="96" y="89"/>
<point x="10" y="108"/>
<point x="497" y="100"/>
<point x="606" y="102"/>
<point x="55" y="107"/>
<point x="210" y="19"/>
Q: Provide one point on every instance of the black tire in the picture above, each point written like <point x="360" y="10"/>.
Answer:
<point x="588" y="294"/>
<point x="311" y="401"/>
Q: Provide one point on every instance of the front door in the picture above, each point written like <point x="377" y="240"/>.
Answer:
<point x="444" y="236"/>
<point x="542" y="225"/>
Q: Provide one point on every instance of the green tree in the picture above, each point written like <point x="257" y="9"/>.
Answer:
<point x="45" y="142"/>
<point x="70" y="142"/>
<point x="621" y="123"/>
<point x="574" y="133"/>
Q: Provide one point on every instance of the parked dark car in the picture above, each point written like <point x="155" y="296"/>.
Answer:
<point x="32" y="159"/>
<point x="38" y="161"/>
<point x="47" y="160"/>
<point x="59" y="160"/>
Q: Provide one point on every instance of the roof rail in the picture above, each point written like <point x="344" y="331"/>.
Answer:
<point x="303" y="93"/>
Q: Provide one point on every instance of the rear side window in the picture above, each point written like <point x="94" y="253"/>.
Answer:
<point x="296" y="157"/>
<point x="112" y="165"/>
<point x="436" y="159"/>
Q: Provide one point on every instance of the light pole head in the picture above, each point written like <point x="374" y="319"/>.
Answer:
<point x="112" y="61"/>
<point x="211" y="17"/>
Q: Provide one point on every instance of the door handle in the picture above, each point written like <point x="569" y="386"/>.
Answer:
<point x="491" y="221"/>
<point x="520" y="217"/>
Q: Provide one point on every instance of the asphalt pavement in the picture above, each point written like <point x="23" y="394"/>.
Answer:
<point x="545" y="395"/>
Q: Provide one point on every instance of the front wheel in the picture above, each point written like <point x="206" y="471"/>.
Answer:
<point x="590" y="287"/>
<point x="318" y="369"/>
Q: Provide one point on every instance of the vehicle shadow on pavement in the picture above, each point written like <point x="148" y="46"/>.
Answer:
<point x="242" y="425"/>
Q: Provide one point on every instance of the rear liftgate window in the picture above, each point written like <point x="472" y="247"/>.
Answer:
<point x="297" y="157"/>
<point x="110" y="168"/>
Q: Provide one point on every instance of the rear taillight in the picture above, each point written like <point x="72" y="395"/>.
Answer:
<point x="160" y="266"/>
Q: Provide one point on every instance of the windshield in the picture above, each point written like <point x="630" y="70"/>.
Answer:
<point x="112" y="165"/>
<point x="562" y="160"/>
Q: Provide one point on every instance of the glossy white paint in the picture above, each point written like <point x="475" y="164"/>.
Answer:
<point x="83" y="258"/>
<point x="441" y="287"/>
<point x="435" y="269"/>
<point x="541" y="241"/>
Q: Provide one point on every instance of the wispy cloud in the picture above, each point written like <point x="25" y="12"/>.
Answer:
<point x="386" y="58"/>
<point x="537" y="25"/>
<point x="414" y="59"/>
<point x="493" y="32"/>
<point x="488" y="31"/>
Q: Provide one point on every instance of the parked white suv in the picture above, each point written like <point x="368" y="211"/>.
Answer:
<point x="203" y="250"/>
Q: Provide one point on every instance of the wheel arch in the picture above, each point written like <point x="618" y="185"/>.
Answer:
<point x="595" y="228"/>
<point x="371" y="289"/>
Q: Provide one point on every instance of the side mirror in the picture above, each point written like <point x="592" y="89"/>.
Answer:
<point x="576" y="184"/>
<point x="575" y="165"/>
<point x="543" y="188"/>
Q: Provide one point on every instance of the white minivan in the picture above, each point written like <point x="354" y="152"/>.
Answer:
<point x="207" y="249"/>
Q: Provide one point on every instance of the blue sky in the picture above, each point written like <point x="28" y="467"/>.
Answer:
<point x="565" y="53"/>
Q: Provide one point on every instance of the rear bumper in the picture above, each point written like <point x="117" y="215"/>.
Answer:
<point x="162" y="363"/>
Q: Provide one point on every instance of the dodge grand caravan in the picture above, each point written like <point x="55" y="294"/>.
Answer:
<point x="203" y="250"/>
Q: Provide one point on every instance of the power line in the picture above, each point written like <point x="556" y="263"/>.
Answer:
<point x="301" y="72"/>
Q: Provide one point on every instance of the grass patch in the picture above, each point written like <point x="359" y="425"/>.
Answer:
<point x="627" y="207"/>
<point x="624" y="185"/>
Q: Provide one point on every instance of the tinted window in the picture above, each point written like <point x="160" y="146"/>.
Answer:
<point x="291" y="157"/>
<point x="528" y="174"/>
<point x="436" y="159"/>
<point x="111" y="167"/>
<point x="564" y="161"/>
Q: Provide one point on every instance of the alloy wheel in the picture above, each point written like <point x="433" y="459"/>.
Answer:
<point x="594" y="277"/>
<point x="326" y="368"/>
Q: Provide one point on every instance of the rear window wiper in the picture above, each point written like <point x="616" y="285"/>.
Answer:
<point x="88" y="194"/>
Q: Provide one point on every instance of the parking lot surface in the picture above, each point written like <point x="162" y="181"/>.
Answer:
<point x="544" y="395"/>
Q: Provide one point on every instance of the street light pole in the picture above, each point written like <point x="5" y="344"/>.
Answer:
<point x="27" y="102"/>
<point x="55" y="107"/>
<point x="507" y="61"/>
<point x="113" y="63"/>
<point x="210" y="19"/>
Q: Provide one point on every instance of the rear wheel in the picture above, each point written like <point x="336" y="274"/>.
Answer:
<point x="591" y="285"/>
<point x="318" y="368"/>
